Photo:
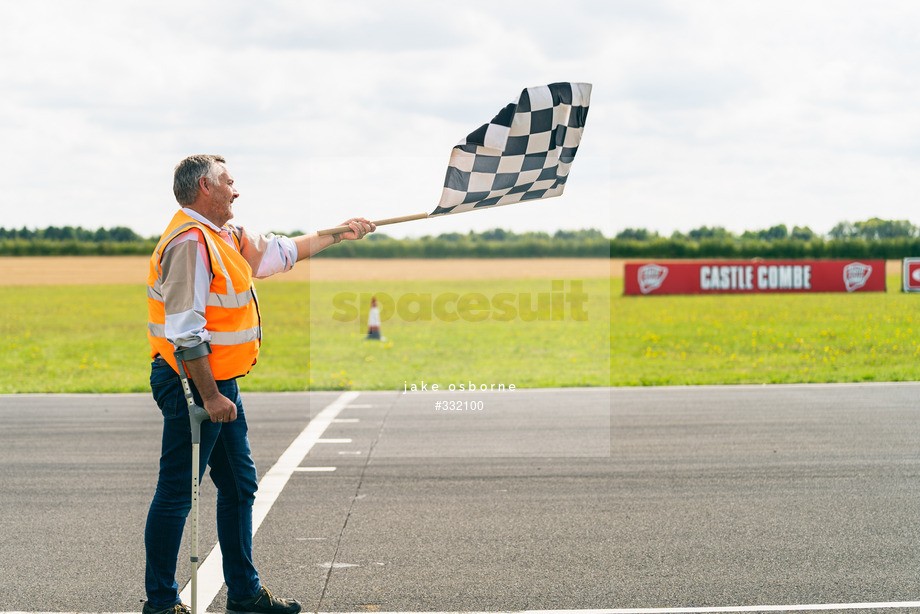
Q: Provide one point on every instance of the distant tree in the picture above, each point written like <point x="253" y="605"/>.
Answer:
<point x="576" y="235"/>
<point x="843" y="230"/>
<point x="802" y="233"/>
<point x="636" y="234"/>
<point x="776" y="232"/>
<point x="496" y="234"/>
<point x="771" y="234"/>
<point x="705" y="232"/>
<point x="875" y="228"/>
<point x="453" y="237"/>
<point x="374" y="236"/>
<point x="121" y="234"/>
<point x="51" y="233"/>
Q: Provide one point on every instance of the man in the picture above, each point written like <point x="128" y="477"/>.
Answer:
<point x="199" y="290"/>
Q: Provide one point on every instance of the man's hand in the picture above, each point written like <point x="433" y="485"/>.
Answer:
<point x="360" y="226"/>
<point x="219" y="407"/>
<point x="308" y="245"/>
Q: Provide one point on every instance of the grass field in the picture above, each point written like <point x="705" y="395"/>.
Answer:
<point x="765" y="339"/>
<point x="91" y="338"/>
<point x="436" y="334"/>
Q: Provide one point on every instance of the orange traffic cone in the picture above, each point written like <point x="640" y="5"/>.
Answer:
<point x="373" y="321"/>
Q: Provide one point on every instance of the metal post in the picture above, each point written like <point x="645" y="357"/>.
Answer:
<point x="196" y="415"/>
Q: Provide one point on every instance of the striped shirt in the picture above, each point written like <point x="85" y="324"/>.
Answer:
<point x="186" y="274"/>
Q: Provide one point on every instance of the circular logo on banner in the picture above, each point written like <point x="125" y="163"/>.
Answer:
<point x="651" y="276"/>
<point x="855" y="275"/>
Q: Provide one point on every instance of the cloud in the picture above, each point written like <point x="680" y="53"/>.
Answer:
<point x="713" y="112"/>
<point x="757" y="114"/>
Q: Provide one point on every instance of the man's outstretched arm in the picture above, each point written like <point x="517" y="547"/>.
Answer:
<point x="309" y="245"/>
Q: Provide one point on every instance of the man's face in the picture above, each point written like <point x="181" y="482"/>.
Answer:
<point x="222" y="196"/>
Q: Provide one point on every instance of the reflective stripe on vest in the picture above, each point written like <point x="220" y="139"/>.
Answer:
<point x="216" y="300"/>
<point x="217" y="338"/>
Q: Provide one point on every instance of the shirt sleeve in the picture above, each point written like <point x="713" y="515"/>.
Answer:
<point x="267" y="254"/>
<point x="186" y="279"/>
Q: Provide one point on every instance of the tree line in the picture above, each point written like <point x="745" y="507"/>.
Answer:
<point x="495" y="243"/>
<point x="118" y="234"/>
<point x="73" y="241"/>
<point x="873" y="238"/>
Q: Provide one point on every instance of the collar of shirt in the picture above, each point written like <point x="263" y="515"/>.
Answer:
<point x="223" y="232"/>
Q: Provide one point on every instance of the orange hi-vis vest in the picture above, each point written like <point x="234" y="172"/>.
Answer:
<point x="232" y="310"/>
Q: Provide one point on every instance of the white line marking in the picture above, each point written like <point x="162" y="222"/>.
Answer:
<point x="314" y="469"/>
<point x="210" y="573"/>
<point x="333" y="440"/>
<point x="337" y="565"/>
<point x="694" y="610"/>
<point x="743" y="608"/>
<point x="346" y="420"/>
<point x="883" y="605"/>
<point x="349" y="452"/>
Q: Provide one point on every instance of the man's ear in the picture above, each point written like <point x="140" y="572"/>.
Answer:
<point x="203" y="185"/>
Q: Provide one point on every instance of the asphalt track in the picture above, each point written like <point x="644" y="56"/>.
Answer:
<point x="660" y="499"/>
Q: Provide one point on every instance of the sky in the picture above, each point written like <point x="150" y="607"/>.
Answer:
<point x="741" y="114"/>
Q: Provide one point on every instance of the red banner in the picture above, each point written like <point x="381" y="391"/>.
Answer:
<point x="744" y="276"/>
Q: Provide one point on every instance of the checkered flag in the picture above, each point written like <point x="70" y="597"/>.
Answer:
<point x="524" y="153"/>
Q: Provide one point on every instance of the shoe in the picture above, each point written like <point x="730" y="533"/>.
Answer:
<point x="263" y="603"/>
<point x="179" y="608"/>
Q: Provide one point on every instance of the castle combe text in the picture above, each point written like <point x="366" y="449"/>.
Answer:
<point x="756" y="277"/>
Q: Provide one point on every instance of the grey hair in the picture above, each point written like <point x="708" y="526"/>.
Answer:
<point x="190" y="170"/>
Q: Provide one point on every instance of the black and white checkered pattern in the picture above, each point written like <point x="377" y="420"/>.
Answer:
<point x="524" y="153"/>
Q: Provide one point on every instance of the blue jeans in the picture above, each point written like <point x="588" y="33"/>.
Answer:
<point x="225" y="448"/>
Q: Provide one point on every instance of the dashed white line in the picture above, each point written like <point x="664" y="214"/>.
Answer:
<point x="337" y="565"/>
<point x="210" y="574"/>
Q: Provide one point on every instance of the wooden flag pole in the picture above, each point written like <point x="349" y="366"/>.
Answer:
<point x="391" y="220"/>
